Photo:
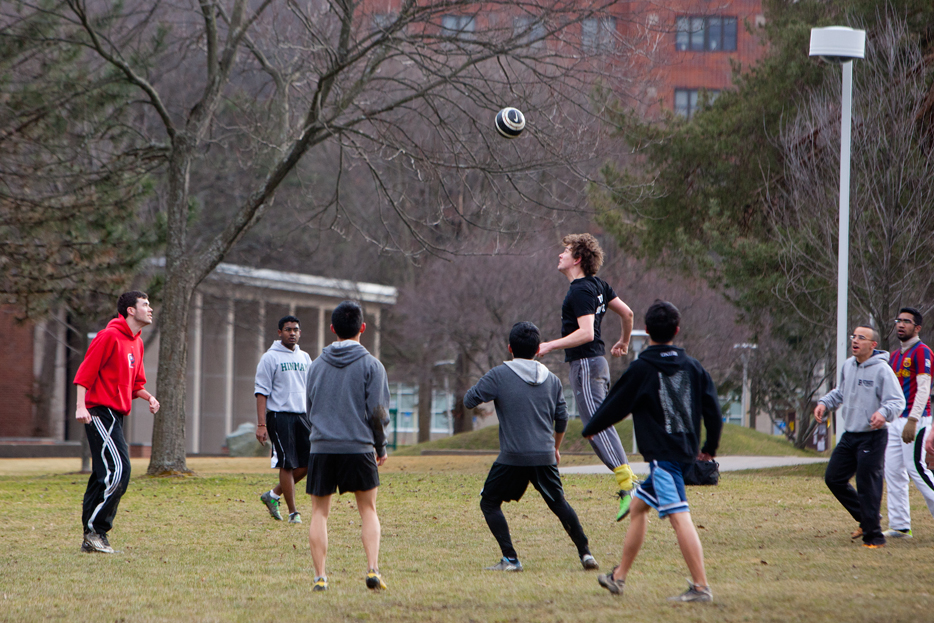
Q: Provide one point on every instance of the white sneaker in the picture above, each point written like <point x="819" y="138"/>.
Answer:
<point x="897" y="534"/>
<point x="295" y="517"/>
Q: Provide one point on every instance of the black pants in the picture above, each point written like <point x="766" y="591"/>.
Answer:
<point x="508" y="482"/>
<point x="862" y="454"/>
<point x="110" y="470"/>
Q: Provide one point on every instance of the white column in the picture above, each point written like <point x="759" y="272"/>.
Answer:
<point x="229" y="369"/>
<point x="261" y="335"/>
<point x="376" y="336"/>
<point x="196" y="363"/>
<point x="321" y="329"/>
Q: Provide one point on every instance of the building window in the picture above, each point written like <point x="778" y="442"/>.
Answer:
<point x="529" y="30"/>
<point x="460" y="26"/>
<point x="686" y="100"/>
<point x="598" y="34"/>
<point x="382" y="21"/>
<point x="706" y="34"/>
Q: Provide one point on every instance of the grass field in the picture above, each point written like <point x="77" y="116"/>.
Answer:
<point x="204" y="549"/>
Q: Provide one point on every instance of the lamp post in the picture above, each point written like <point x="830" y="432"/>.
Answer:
<point x="744" y="348"/>
<point x="839" y="44"/>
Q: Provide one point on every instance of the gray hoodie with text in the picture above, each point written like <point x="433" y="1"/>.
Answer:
<point x="865" y="388"/>
<point x="348" y="401"/>
<point x="530" y="406"/>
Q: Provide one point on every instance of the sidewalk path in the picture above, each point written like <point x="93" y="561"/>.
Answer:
<point x="727" y="464"/>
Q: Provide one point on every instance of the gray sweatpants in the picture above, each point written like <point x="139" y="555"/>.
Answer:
<point x="590" y="382"/>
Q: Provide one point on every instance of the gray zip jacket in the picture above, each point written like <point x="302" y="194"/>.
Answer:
<point x="864" y="389"/>
<point x="530" y="406"/>
<point x="280" y="376"/>
<point x="348" y="401"/>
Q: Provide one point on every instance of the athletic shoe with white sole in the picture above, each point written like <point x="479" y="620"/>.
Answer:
<point x="94" y="542"/>
<point x="272" y="505"/>
<point x="589" y="562"/>
<point x="695" y="593"/>
<point x="374" y="580"/>
<point x="295" y="517"/>
<point x="897" y="534"/>
<point x="505" y="565"/>
<point x="321" y="584"/>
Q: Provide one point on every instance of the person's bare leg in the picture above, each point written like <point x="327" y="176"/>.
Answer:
<point x="370" y="530"/>
<point x="690" y="545"/>
<point x="635" y="536"/>
<point x="318" y="532"/>
<point x="287" y="486"/>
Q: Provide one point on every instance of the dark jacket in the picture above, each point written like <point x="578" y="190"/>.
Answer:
<point x="668" y="394"/>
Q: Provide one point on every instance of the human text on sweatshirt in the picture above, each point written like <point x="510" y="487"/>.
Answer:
<point x="865" y="388"/>
<point x="348" y="401"/>
<point x="530" y="407"/>
<point x="280" y="376"/>
<point x="112" y="370"/>
<point x="668" y="394"/>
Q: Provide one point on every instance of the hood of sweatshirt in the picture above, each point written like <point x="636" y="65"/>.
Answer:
<point x="666" y="359"/>
<point x="529" y="370"/>
<point x="878" y="356"/>
<point x="277" y="347"/>
<point x="342" y="354"/>
<point x="119" y="324"/>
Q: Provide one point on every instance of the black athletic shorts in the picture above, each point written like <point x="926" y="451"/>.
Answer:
<point x="509" y="482"/>
<point x="348" y="472"/>
<point x="289" y="433"/>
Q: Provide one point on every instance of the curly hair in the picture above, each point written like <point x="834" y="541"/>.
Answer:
<point x="585" y="248"/>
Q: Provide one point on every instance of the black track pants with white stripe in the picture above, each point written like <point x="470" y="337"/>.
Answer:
<point x="110" y="470"/>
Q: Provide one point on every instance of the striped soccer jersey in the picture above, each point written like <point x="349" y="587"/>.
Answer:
<point x="907" y="366"/>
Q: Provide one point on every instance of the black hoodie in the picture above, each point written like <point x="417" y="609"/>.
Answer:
<point x="667" y="393"/>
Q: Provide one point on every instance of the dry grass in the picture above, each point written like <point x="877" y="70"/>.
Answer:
<point x="204" y="549"/>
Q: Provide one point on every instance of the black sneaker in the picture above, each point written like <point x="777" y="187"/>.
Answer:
<point x="589" y="562"/>
<point x="374" y="581"/>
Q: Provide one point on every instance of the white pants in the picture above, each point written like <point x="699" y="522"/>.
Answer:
<point x="904" y="462"/>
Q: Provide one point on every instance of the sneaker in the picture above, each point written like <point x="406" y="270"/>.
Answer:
<point x="505" y="565"/>
<point x="374" y="580"/>
<point x="589" y="562"/>
<point x="94" y="542"/>
<point x="625" y="501"/>
<point x="321" y="584"/>
<point x="272" y="504"/>
<point x="897" y="534"/>
<point x="694" y="593"/>
<point x="295" y="517"/>
<point x="874" y="545"/>
<point x="614" y="586"/>
<point x="856" y="533"/>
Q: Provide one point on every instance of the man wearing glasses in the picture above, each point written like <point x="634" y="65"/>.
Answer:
<point x="870" y="396"/>
<point x="904" y="454"/>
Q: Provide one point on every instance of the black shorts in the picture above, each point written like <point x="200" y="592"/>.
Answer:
<point x="289" y="433"/>
<point x="348" y="472"/>
<point x="509" y="482"/>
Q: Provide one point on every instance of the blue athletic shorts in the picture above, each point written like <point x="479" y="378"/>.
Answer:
<point x="663" y="490"/>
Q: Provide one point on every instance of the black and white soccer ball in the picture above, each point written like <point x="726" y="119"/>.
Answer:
<point x="510" y="122"/>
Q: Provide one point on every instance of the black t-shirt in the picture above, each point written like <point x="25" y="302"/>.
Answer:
<point x="586" y="296"/>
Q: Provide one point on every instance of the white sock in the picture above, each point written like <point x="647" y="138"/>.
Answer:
<point x="273" y="495"/>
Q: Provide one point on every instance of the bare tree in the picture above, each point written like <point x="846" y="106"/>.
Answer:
<point x="892" y="196"/>
<point x="264" y="84"/>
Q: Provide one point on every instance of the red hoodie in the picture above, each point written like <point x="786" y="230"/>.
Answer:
<point x="112" y="370"/>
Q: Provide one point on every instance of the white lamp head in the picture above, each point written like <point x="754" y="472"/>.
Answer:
<point x="838" y="44"/>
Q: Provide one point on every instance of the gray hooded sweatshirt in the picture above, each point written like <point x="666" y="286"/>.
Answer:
<point x="280" y="376"/>
<point x="531" y="409"/>
<point x="864" y="389"/>
<point x="348" y="401"/>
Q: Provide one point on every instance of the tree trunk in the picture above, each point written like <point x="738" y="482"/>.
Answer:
<point x="168" y="430"/>
<point x="424" y="405"/>
<point x="43" y="422"/>
<point x="463" y="421"/>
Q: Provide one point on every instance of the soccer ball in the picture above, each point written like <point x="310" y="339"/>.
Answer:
<point x="510" y="122"/>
